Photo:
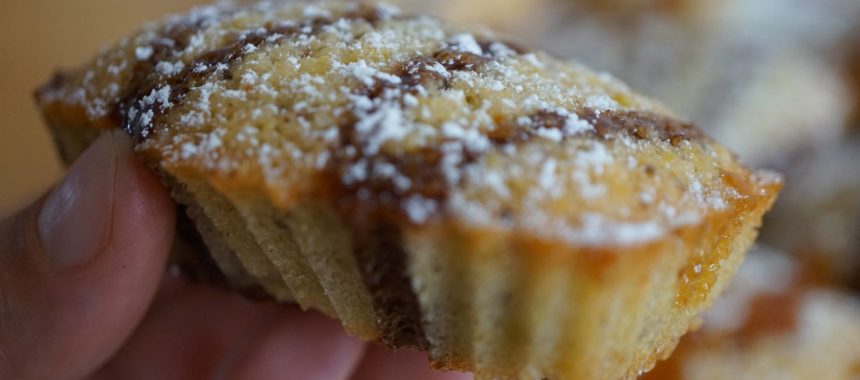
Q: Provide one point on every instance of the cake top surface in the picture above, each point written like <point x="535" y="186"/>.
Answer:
<point x="407" y="116"/>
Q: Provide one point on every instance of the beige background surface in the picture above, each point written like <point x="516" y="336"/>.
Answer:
<point x="36" y="37"/>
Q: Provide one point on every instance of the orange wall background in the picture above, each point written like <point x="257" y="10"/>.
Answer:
<point x="36" y="37"/>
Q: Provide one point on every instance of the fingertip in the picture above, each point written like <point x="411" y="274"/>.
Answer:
<point x="108" y="297"/>
<point x="80" y="287"/>
<point x="193" y="331"/>
<point x="299" y="345"/>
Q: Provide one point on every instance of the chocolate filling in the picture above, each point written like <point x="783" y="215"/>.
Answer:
<point x="642" y="126"/>
<point x="373" y="207"/>
<point x="191" y="256"/>
<point x="372" y="210"/>
<point x="140" y="117"/>
<point x="378" y="247"/>
<point x="192" y="259"/>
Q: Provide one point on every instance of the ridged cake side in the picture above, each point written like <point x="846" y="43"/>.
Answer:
<point x="428" y="185"/>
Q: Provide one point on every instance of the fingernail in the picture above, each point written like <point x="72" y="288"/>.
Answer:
<point x="75" y="219"/>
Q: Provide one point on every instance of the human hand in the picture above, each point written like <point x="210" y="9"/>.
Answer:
<point x="83" y="295"/>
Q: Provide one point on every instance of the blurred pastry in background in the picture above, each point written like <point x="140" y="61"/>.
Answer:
<point x="818" y="216"/>
<point x="775" y="107"/>
<point x="773" y="322"/>
<point x="760" y="76"/>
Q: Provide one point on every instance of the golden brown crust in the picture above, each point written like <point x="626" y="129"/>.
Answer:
<point x="385" y="147"/>
<point x="155" y="93"/>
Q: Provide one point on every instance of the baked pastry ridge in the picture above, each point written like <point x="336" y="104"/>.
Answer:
<point x="775" y="320"/>
<point x="429" y="185"/>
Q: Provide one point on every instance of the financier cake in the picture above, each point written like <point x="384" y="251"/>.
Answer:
<point x="429" y="185"/>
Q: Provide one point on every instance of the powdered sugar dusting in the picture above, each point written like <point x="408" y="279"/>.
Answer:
<point x="411" y="112"/>
<point x="143" y="52"/>
<point x="466" y="42"/>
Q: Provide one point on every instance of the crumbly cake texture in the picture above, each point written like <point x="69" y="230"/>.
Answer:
<point x="429" y="185"/>
<point x="772" y="322"/>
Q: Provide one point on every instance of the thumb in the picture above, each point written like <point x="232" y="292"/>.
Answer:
<point x="80" y="267"/>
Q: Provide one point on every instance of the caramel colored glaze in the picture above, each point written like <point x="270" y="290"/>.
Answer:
<point x="460" y="61"/>
<point x="701" y="272"/>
